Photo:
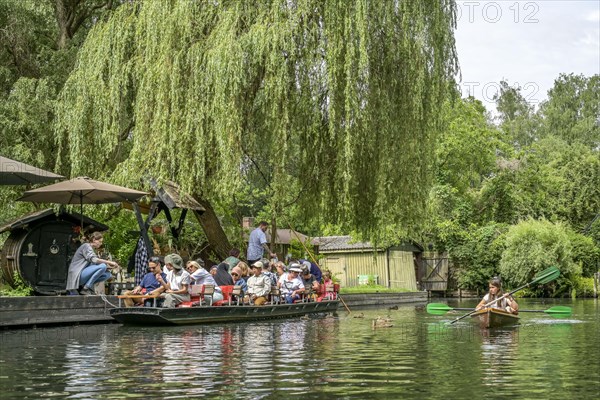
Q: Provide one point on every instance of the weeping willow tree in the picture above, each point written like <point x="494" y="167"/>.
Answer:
<point x="339" y="97"/>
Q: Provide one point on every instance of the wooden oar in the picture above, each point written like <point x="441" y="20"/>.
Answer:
<point x="547" y="275"/>
<point x="556" y="311"/>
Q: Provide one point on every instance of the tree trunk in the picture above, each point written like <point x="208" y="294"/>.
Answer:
<point x="218" y="243"/>
<point x="62" y="20"/>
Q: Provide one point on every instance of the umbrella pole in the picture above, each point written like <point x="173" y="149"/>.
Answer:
<point x="81" y="210"/>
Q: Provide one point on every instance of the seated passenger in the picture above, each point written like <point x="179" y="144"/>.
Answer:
<point x="238" y="280"/>
<point x="233" y="259"/>
<point x="147" y="286"/>
<point x="327" y="278"/>
<point x="200" y="276"/>
<point x="280" y="269"/>
<point x="309" y="280"/>
<point x="177" y="283"/>
<point x="314" y="269"/>
<point x="259" y="285"/>
<point x="267" y="265"/>
<point x="222" y="276"/>
<point x="245" y="270"/>
<point x="290" y="284"/>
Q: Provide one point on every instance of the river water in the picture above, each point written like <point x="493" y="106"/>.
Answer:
<point x="330" y="356"/>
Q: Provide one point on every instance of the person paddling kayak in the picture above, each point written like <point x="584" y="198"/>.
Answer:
<point x="507" y="304"/>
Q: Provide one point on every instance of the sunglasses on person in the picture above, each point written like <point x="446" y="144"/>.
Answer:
<point x="234" y="274"/>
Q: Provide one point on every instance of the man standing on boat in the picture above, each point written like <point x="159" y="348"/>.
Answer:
<point x="507" y="304"/>
<point x="257" y="244"/>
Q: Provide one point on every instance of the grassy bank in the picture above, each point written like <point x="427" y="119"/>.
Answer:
<point x="371" y="289"/>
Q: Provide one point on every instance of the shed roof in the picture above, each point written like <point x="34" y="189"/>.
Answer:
<point x="285" y="236"/>
<point x="345" y="243"/>
<point x="338" y="243"/>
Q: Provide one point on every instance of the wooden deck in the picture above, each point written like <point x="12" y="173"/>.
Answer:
<point x="48" y="310"/>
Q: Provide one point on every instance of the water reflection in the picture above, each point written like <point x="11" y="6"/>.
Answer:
<point x="334" y="356"/>
<point x="498" y="350"/>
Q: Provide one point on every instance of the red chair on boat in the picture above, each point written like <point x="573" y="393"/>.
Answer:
<point x="198" y="293"/>
<point x="226" y="291"/>
<point x="331" y="291"/>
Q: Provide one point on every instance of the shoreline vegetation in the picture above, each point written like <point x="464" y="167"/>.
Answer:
<point x="305" y="117"/>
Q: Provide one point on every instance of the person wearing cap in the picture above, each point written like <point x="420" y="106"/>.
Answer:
<point x="290" y="285"/>
<point x="200" y="276"/>
<point x="259" y="285"/>
<point x="257" y="244"/>
<point x="177" y="283"/>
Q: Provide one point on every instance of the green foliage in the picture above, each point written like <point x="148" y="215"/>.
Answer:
<point x="531" y="247"/>
<point x="586" y="253"/>
<point x="19" y="289"/>
<point x="466" y="152"/>
<point x="475" y="252"/>
<point x="583" y="287"/>
<point x="516" y="116"/>
<point x="297" y="249"/>
<point x="212" y="87"/>
<point x="572" y="109"/>
<point x="118" y="241"/>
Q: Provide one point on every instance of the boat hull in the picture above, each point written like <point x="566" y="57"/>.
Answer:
<point x="494" y="318"/>
<point x="213" y="314"/>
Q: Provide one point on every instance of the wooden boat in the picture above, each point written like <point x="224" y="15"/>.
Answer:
<point x="494" y="318"/>
<point x="223" y="313"/>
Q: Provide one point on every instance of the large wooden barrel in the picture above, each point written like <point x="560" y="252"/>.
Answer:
<point x="40" y="256"/>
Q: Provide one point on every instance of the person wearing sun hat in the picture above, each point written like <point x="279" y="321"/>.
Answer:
<point x="177" y="283"/>
<point x="290" y="284"/>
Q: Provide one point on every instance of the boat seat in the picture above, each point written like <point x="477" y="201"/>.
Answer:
<point x="330" y="292"/>
<point x="236" y="295"/>
<point x="275" y="296"/>
<point x="139" y="296"/>
<point x="226" y="292"/>
<point x="208" y="291"/>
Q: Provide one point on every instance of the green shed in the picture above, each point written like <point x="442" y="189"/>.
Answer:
<point x="394" y="267"/>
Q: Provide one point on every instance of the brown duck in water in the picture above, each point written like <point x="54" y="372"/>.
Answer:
<point x="381" y="322"/>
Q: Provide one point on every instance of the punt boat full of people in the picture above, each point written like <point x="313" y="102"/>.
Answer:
<point x="201" y="310"/>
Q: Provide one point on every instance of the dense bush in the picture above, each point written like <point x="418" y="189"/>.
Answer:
<point x="531" y="247"/>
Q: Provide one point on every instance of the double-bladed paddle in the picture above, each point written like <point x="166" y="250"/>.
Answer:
<point x="556" y="311"/>
<point x="547" y="275"/>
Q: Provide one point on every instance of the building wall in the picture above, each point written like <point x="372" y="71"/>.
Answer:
<point x="402" y="270"/>
<point x="347" y="266"/>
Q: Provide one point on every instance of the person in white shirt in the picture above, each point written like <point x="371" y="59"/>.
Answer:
<point x="177" y="283"/>
<point x="259" y="285"/>
<point x="200" y="276"/>
<point x="507" y="304"/>
<point x="290" y="284"/>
